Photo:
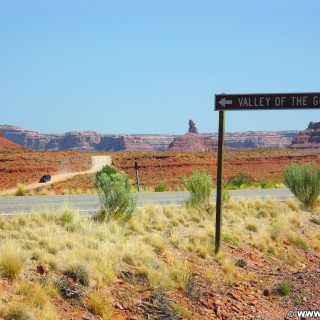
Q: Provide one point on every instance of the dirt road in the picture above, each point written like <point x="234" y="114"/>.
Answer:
<point x="97" y="163"/>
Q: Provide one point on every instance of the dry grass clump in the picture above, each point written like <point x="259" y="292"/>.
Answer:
<point x="157" y="241"/>
<point x="99" y="305"/>
<point x="21" y="190"/>
<point x="201" y="242"/>
<point x="184" y="280"/>
<point x="227" y="265"/>
<point x="12" y="259"/>
<point x="16" y="310"/>
<point x="34" y="293"/>
<point x="33" y="302"/>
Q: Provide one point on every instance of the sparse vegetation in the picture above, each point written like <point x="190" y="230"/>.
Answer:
<point x="166" y="169"/>
<point x="243" y="181"/>
<point x="166" y="251"/>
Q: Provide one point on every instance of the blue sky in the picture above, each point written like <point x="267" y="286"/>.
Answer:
<point x="148" y="66"/>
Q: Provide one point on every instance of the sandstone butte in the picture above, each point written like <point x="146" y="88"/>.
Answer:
<point x="191" y="141"/>
<point x="308" y="139"/>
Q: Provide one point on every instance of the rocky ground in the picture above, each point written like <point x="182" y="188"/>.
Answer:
<point x="253" y="295"/>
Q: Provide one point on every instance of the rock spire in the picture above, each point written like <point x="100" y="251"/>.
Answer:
<point x="192" y="127"/>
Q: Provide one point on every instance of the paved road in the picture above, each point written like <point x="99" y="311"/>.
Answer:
<point x="90" y="202"/>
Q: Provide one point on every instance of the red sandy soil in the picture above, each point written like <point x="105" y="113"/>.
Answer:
<point x="154" y="167"/>
<point x="7" y="145"/>
<point x="168" y="168"/>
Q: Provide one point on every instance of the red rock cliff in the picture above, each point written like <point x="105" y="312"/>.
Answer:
<point x="309" y="138"/>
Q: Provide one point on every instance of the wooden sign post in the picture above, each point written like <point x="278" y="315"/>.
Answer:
<point x="219" y="181"/>
<point x="264" y="101"/>
<point x="137" y="175"/>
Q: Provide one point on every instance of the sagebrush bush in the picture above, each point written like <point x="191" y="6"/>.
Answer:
<point x="200" y="186"/>
<point x="304" y="182"/>
<point x="116" y="199"/>
<point x="240" y="180"/>
<point x="160" y="188"/>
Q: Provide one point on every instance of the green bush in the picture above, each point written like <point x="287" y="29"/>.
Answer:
<point x="116" y="199"/>
<point x="225" y="196"/>
<point x="298" y="242"/>
<point x="160" y="188"/>
<point x="269" y="183"/>
<point x="230" y="239"/>
<point x="241" y="180"/>
<point x="304" y="182"/>
<point x="200" y="186"/>
<point x="283" y="288"/>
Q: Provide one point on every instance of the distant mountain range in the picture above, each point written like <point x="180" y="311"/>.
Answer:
<point x="191" y="141"/>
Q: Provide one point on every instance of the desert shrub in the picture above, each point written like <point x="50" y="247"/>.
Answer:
<point x="160" y="188"/>
<point x="181" y="311"/>
<point x="241" y="263"/>
<point x="116" y="200"/>
<point x="230" y="239"/>
<point x="241" y="180"/>
<point x="21" y="190"/>
<point x="225" y="196"/>
<point x="269" y="183"/>
<point x="304" y="182"/>
<point x="283" y="288"/>
<point x="200" y="186"/>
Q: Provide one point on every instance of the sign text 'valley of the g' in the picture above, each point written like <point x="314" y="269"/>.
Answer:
<point x="267" y="101"/>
